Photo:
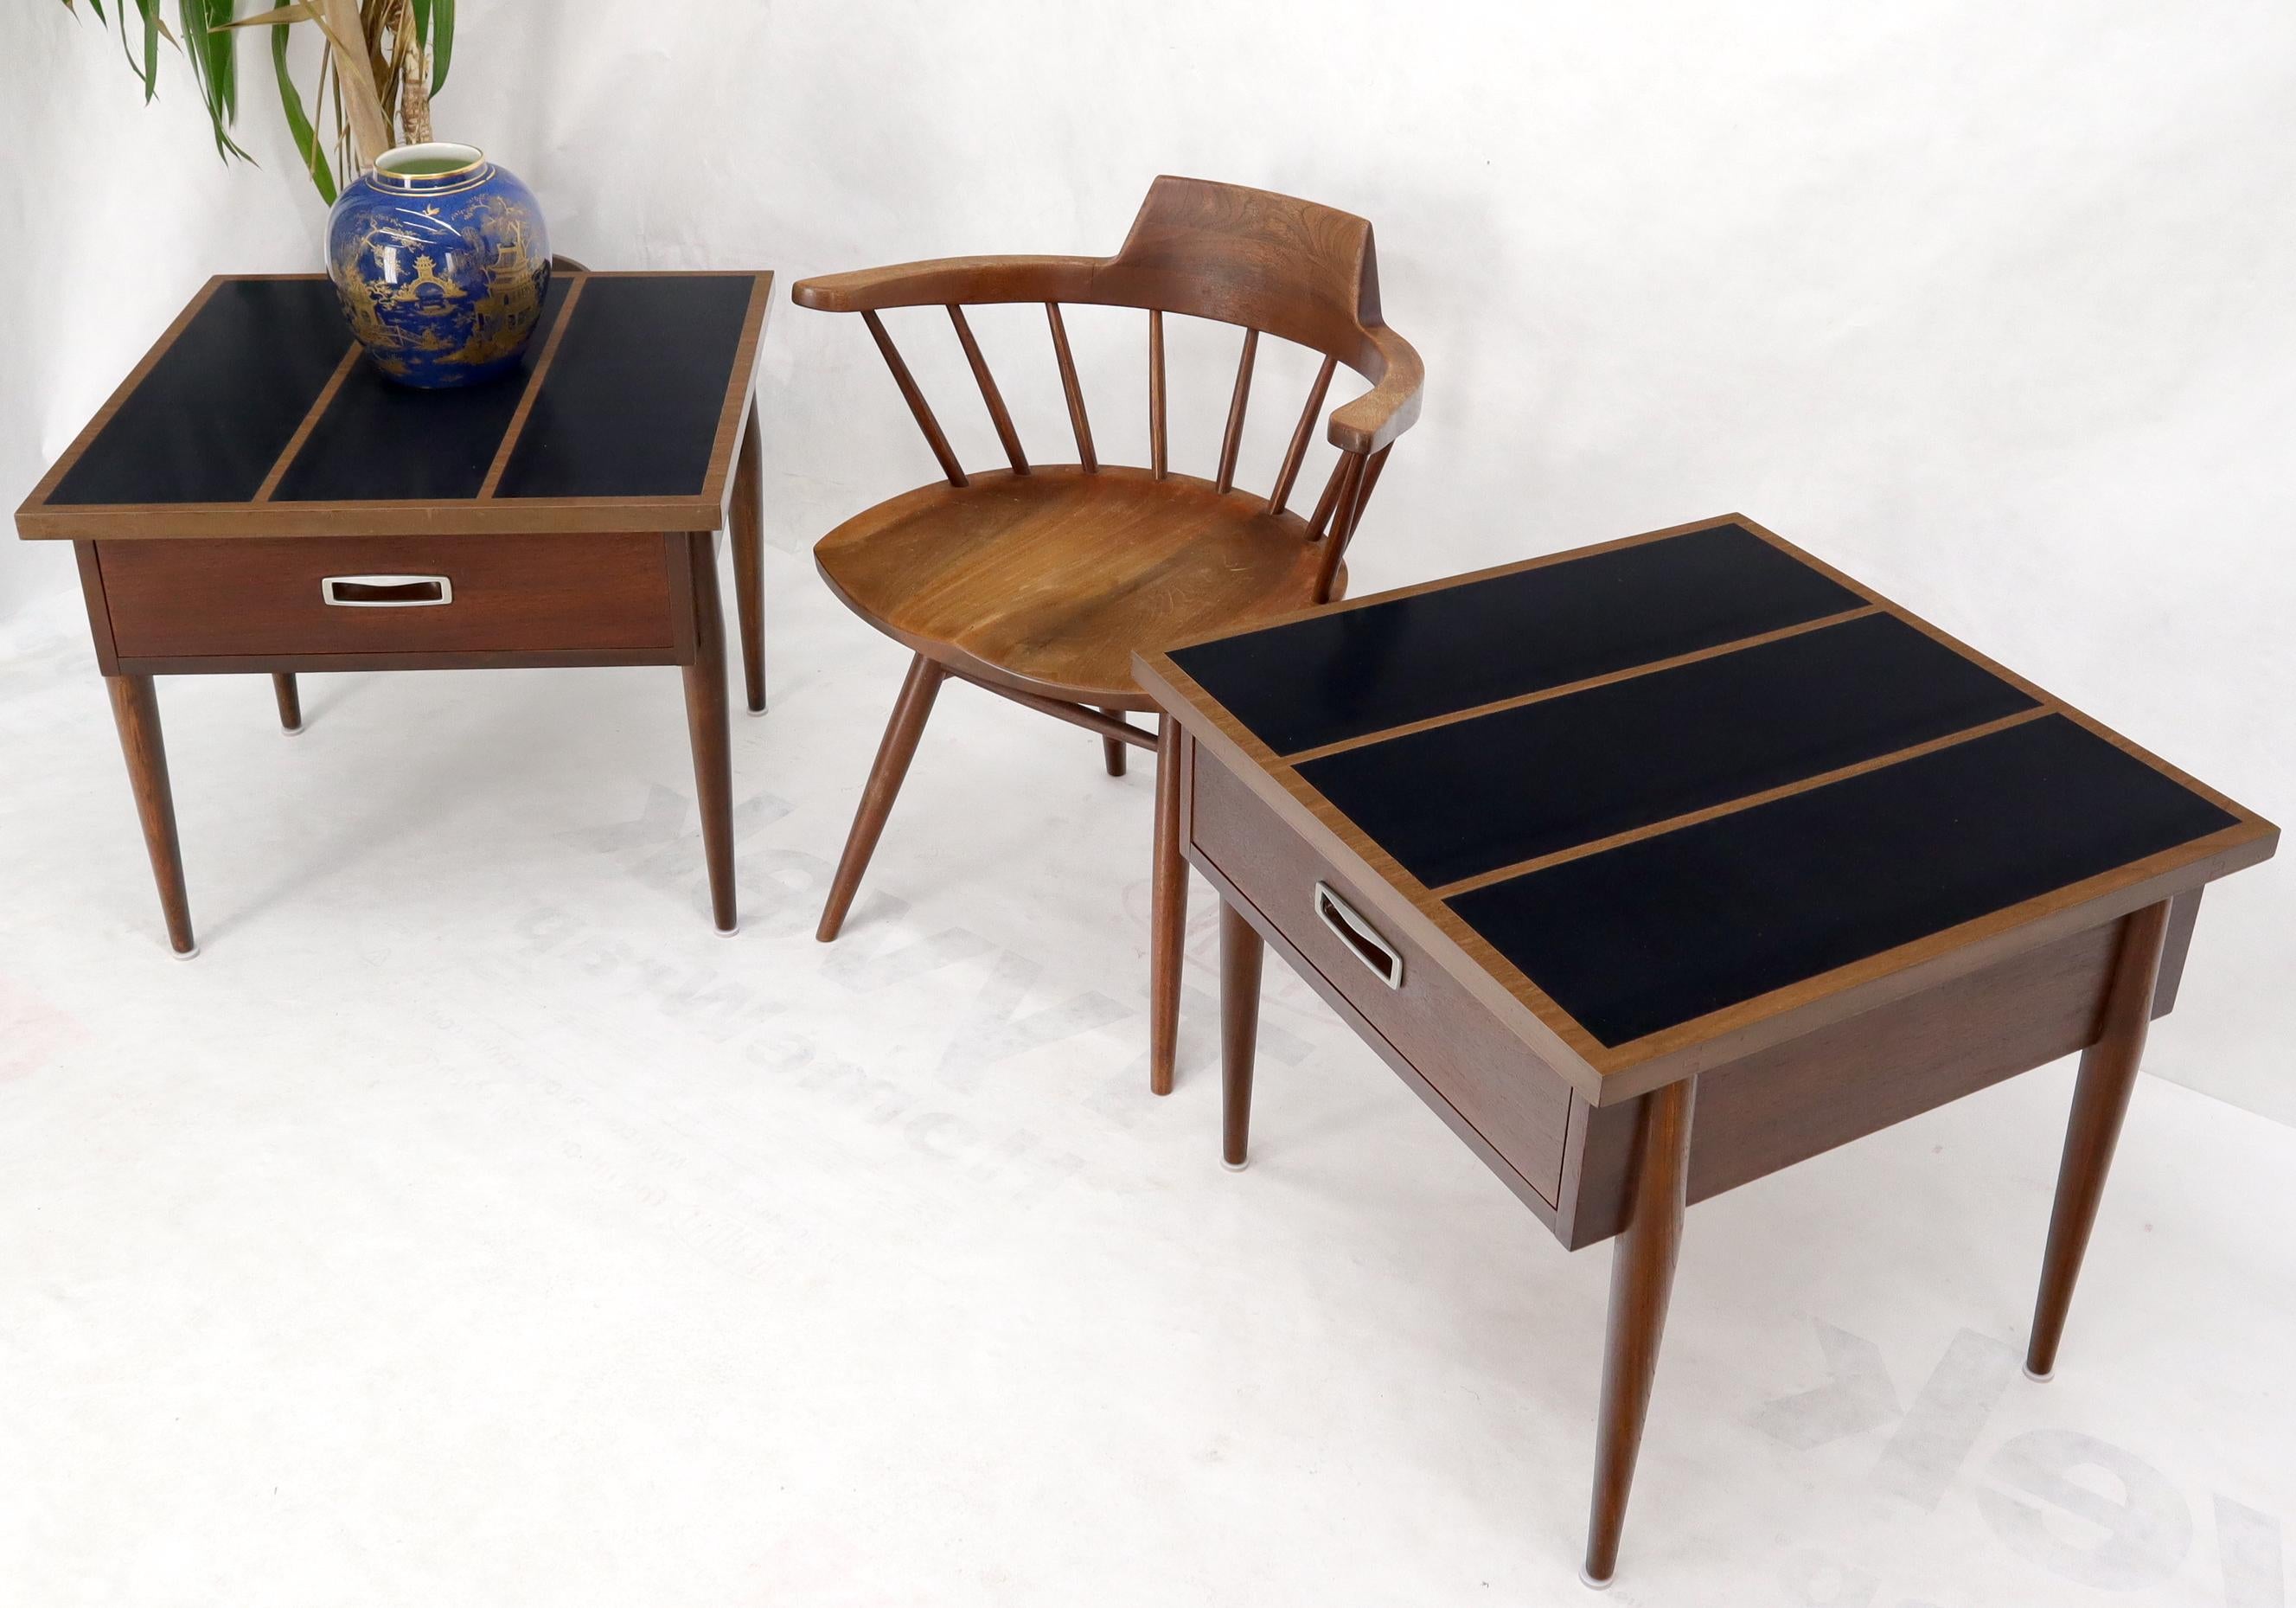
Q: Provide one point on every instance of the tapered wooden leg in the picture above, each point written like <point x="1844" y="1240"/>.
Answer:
<point x="705" y="721"/>
<point x="1167" y="913"/>
<point x="1112" y="751"/>
<point x="136" y="710"/>
<point x="1642" y="1278"/>
<point x="748" y="531"/>
<point x="894" y="752"/>
<point x="291" y="703"/>
<point x="1242" y="949"/>
<point x="2107" y="1075"/>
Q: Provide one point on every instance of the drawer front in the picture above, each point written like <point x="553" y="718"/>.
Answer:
<point x="1488" y="1076"/>
<point x="371" y="594"/>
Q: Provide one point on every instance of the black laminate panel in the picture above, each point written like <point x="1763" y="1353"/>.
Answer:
<point x="1657" y="931"/>
<point x="383" y="441"/>
<point x="1357" y="670"/>
<point x="215" y="411"/>
<point x="631" y="403"/>
<point x="1460" y="800"/>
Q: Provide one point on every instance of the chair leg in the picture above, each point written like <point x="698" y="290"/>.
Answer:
<point x="1168" y="918"/>
<point x="1112" y="751"/>
<point x="748" y="531"/>
<point x="291" y="703"/>
<point x="894" y="753"/>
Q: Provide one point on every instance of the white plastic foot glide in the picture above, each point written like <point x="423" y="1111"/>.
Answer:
<point x="2041" y="1378"/>
<point x="1591" y="1583"/>
<point x="291" y="731"/>
<point x="733" y="931"/>
<point x="190" y="953"/>
<point x="1234" y="1166"/>
<point x="755" y="714"/>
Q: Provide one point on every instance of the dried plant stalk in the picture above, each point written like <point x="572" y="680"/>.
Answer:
<point x="414" y="101"/>
<point x="347" y="38"/>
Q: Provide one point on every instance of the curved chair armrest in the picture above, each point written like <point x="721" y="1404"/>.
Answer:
<point x="961" y="280"/>
<point x="1373" y="421"/>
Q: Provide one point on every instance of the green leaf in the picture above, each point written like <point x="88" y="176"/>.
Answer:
<point x="151" y="68"/>
<point x="214" y="57"/>
<point x="441" y="42"/>
<point x="128" y="49"/>
<point x="299" y="124"/>
<point x="224" y="57"/>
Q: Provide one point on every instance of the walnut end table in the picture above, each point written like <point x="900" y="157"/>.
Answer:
<point x="256" y="497"/>
<point x="1689" y="820"/>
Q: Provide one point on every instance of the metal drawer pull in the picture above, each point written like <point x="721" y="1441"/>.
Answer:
<point x="386" y="591"/>
<point x="1359" y="936"/>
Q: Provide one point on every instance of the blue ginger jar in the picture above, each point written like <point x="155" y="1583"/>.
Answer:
<point x="441" y="262"/>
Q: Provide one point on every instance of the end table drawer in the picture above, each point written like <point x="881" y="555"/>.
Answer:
<point x="353" y="595"/>
<point x="1490" y="1077"/>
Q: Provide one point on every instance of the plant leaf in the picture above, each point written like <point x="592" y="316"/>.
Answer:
<point x="441" y="42"/>
<point x="224" y="52"/>
<point x="128" y="46"/>
<point x="149" y="12"/>
<point x="299" y="125"/>
<point x="215" y="64"/>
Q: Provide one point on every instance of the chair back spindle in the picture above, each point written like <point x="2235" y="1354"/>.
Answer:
<point x="1072" y="390"/>
<point x="916" y="398"/>
<point x="1341" y="466"/>
<point x="1158" y="463"/>
<point x="998" y="414"/>
<point x="1372" y="470"/>
<point x="1234" y="438"/>
<point x="1281" y="498"/>
<point x="1347" y="508"/>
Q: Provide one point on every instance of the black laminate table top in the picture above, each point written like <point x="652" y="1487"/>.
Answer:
<point x="1661" y="790"/>
<point x="255" y="414"/>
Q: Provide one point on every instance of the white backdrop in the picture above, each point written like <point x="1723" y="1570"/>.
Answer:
<point x="1987" y="304"/>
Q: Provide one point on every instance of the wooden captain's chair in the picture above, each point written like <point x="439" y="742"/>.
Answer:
<point x="1039" y="581"/>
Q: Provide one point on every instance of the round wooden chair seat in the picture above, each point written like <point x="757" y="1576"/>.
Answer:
<point x="1048" y="581"/>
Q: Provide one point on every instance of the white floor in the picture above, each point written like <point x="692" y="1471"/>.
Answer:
<point x="468" y="1225"/>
